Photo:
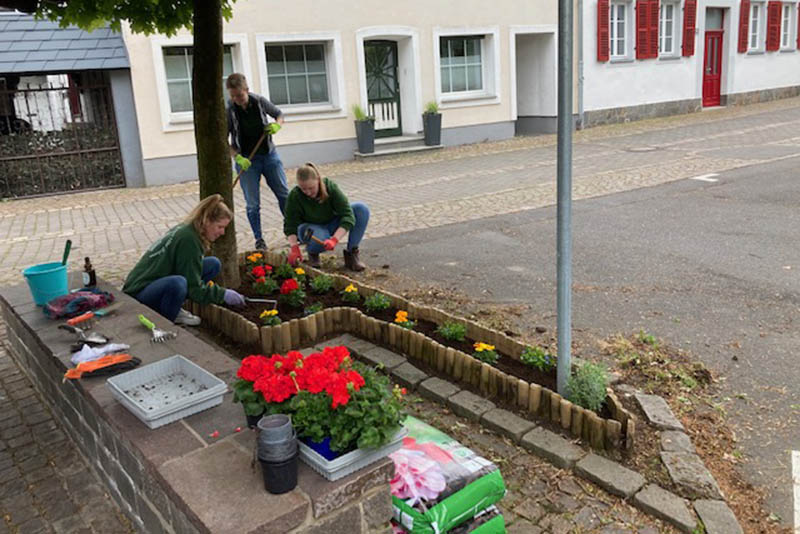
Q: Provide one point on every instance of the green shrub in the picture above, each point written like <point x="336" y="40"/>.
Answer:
<point x="295" y="298"/>
<point x="586" y="387"/>
<point x="284" y="271"/>
<point x="265" y="286"/>
<point x="452" y="331"/>
<point x="538" y="358"/>
<point x="377" y="302"/>
<point x="321" y="284"/>
<point x="314" y="308"/>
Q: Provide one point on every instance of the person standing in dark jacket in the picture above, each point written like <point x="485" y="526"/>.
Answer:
<point x="248" y="119"/>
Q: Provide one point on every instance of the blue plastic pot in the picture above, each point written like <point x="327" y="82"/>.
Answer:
<point x="47" y="281"/>
<point x="323" y="448"/>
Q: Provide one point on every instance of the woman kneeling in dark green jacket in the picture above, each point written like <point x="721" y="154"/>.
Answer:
<point x="318" y="204"/>
<point x="174" y="267"/>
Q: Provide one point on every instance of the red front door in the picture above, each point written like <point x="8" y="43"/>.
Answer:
<point x="712" y="67"/>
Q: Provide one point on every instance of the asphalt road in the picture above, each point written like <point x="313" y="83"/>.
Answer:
<point x="711" y="267"/>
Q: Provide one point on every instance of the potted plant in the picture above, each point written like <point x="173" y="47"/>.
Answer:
<point x="432" y="124"/>
<point x="365" y="130"/>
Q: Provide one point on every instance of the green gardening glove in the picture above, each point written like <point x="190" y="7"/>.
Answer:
<point x="242" y="162"/>
<point x="272" y="128"/>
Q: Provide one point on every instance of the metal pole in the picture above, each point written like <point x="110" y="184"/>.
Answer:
<point x="564" y="180"/>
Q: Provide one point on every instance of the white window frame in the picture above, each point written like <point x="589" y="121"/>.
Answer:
<point x="184" y="120"/>
<point x="627" y="37"/>
<point x="788" y="26"/>
<point x="756" y="32"/>
<point x="490" y="68"/>
<point x="336" y="106"/>
<point x="676" y="26"/>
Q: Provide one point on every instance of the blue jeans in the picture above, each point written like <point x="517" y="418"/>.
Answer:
<point x="271" y="167"/>
<point x="166" y="295"/>
<point x="324" y="231"/>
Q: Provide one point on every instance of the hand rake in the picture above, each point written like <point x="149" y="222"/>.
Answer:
<point x="159" y="336"/>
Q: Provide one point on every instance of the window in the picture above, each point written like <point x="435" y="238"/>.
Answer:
<point x="617" y="21"/>
<point x="667" y="30"/>
<point x="178" y="69"/>
<point x="786" y="25"/>
<point x="297" y="73"/>
<point x="461" y="64"/>
<point x="755" y="22"/>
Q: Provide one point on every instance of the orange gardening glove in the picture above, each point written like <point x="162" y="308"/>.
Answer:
<point x="94" y="365"/>
<point x="331" y="243"/>
<point x="295" y="255"/>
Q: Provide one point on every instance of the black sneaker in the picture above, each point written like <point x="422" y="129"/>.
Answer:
<point x="260" y="244"/>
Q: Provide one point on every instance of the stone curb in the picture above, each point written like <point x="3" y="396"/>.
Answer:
<point x="665" y="505"/>
<point x="609" y="475"/>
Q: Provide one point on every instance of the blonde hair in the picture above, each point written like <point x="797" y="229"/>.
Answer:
<point x="308" y="172"/>
<point x="236" y="81"/>
<point x="210" y="209"/>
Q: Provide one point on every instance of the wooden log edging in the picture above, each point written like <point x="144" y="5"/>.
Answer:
<point x="535" y="400"/>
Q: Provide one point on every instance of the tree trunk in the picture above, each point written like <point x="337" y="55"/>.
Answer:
<point x="210" y="126"/>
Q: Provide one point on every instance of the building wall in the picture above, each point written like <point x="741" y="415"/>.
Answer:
<point x="416" y="25"/>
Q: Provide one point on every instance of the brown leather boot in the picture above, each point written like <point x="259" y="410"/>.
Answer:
<point x="313" y="260"/>
<point x="352" y="262"/>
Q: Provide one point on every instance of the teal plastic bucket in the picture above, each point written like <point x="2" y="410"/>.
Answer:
<point x="47" y="281"/>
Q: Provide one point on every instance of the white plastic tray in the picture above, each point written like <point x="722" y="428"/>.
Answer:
<point x="168" y="390"/>
<point x="350" y="462"/>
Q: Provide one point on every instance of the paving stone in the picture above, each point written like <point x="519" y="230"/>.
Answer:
<point x="609" y="475"/>
<point x="379" y="356"/>
<point x="32" y="464"/>
<point x="674" y="441"/>
<point x="530" y="509"/>
<point x="346" y="522"/>
<point x="663" y="504"/>
<point x="555" y="523"/>
<point x="522" y="526"/>
<point x="717" y="518"/>
<point x="69" y="524"/>
<point x="564" y="503"/>
<point x="467" y="404"/>
<point x="494" y="443"/>
<point x="507" y="423"/>
<point x="377" y="508"/>
<point x="33" y="526"/>
<point x="658" y="412"/>
<point x="353" y="343"/>
<point x="21" y="514"/>
<point x="438" y="390"/>
<point x="409" y="376"/>
<point x="586" y="518"/>
<point x="689" y="472"/>
<point x="554" y="448"/>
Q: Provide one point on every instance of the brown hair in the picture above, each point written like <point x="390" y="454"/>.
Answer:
<point x="210" y="209"/>
<point x="309" y="171"/>
<point x="236" y="81"/>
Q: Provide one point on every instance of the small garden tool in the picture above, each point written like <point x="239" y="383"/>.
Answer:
<point x="272" y="303"/>
<point x="309" y="235"/>
<point x="84" y="320"/>
<point x="107" y="365"/>
<point x="91" y="339"/>
<point x="159" y="336"/>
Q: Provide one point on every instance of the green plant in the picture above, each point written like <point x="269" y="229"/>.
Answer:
<point x="647" y="339"/>
<point x="265" y="285"/>
<point x="350" y="294"/>
<point x="452" y="331"/>
<point x="321" y="284"/>
<point x="485" y="353"/>
<point x="587" y="385"/>
<point x="295" y="298"/>
<point x="431" y="107"/>
<point x="360" y="114"/>
<point x="284" y="271"/>
<point x="314" y="308"/>
<point x="252" y="402"/>
<point x="377" y="302"/>
<point x="270" y="318"/>
<point x="538" y="358"/>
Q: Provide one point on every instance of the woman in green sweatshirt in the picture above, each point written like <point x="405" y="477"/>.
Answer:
<point x="318" y="203"/>
<point x="174" y="267"/>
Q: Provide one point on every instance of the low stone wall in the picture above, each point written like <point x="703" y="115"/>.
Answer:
<point x="645" y="111"/>
<point x="180" y="478"/>
<point x="617" y="432"/>
<point x="766" y="95"/>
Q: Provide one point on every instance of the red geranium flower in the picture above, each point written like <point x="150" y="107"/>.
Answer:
<point x="258" y="271"/>
<point x="252" y="368"/>
<point x="288" y="285"/>
<point x="268" y="268"/>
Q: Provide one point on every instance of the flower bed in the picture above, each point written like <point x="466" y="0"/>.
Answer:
<point x="509" y="380"/>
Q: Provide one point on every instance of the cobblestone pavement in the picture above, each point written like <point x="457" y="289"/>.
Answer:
<point x="416" y="191"/>
<point x="45" y="484"/>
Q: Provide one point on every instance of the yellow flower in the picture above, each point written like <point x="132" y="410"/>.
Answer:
<point x="268" y="313"/>
<point x="210" y="283"/>
<point x="299" y="270"/>
<point x="401" y="317"/>
<point x="254" y="257"/>
<point x="350" y="289"/>
<point x="480" y="347"/>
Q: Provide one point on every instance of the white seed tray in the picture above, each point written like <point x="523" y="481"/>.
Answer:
<point x="350" y="462"/>
<point x="167" y="390"/>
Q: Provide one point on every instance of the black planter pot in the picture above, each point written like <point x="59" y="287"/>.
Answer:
<point x="365" y="135"/>
<point x="432" y="126"/>
<point x="252" y="420"/>
<point x="279" y="477"/>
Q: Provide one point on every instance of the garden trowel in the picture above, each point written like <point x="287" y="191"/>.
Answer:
<point x="272" y="303"/>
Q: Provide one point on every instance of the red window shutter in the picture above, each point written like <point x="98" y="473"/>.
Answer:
<point x="654" y="10"/>
<point x="798" y="32"/>
<point x="744" y="25"/>
<point x="603" y="37"/>
<point x="642" y="29"/>
<point x="773" y="26"/>
<point x="689" y="22"/>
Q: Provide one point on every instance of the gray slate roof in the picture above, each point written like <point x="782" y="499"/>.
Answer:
<point x="28" y="45"/>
